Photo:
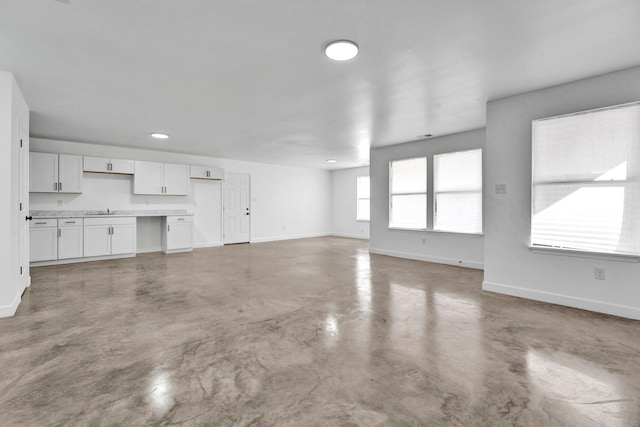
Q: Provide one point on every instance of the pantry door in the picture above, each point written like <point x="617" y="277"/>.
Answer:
<point x="237" y="208"/>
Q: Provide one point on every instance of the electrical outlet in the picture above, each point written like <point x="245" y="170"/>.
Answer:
<point x="501" y="188"/>
<point x="424" y="241"/>
<point x="598" y="273"/>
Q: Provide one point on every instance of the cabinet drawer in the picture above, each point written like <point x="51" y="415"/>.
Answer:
<point x="39" y="223"/>
<point x="186" y="219"/>
<point x="109" y="220"/>
<point x="70" y="222"/>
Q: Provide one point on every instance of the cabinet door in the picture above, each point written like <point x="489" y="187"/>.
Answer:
<point x="200" y="172"/>
<point x="176" y="179"/>
<point x="123" y="239"/>
<point x="122" y="166"/>
<point x="148" y="178"/>
<point x="43" y="243"/>
<point x="70" y="239"/>
<point x="179" y="236"/>
<point x="43" y="173"/>
<point x="97" y="240"/>
<point x="96" y="164"/>
<point x="70" y="174"/>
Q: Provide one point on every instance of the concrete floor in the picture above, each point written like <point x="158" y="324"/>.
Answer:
<point x="305" y="332"/>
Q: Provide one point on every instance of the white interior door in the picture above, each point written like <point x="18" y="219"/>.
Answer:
<point x="237" y="208"/>
<point x="23" y="189"/>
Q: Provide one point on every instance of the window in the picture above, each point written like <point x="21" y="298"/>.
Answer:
<point x="362" y="194"/>
<point x="585" y="189"/>
<point x="457" y="191"/>
<point x="408" y="193"/>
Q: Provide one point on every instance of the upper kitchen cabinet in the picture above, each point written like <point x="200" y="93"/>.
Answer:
<point x="161" y="178"/>
<point x="55" y="173"/>
<point x="105" y="165"/>
<point x="206" y="172"/>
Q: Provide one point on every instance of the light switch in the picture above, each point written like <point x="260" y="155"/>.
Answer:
<point x="501" y="188"/>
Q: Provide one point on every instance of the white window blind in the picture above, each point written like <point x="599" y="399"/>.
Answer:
<point x="363" y="198"/>
<point x="408" y="193"/>
<point x="585" y="189"/>
<point x="458" y="191"/>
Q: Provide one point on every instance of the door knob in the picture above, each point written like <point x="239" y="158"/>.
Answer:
<point x="28" y="218"/>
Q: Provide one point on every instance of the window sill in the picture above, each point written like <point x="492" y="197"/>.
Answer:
<point x="448" y="233"/>
<point x="363" y="220"/>
<point x="584" y="254"/>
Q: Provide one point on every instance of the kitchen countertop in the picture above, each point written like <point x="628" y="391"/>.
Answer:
<point x="114" y="213"/>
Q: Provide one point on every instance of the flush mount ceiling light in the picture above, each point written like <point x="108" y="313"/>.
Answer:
<point x="160" y="135"/>
<point x="341" y="50"/>
<point x="332" y="161"/>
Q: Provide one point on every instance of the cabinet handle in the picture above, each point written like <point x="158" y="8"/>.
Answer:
<point x="40" y="223"/>
<point x="168" y="227"/>
<point x="208" y="174"/>
<point x="55" y="186"/>
<point x="69" y="222"/>
<point x="110" y="166"/>
<point x="180" y="219"/>
<point x="59" y="233"/>
<point x="59" y="186"/>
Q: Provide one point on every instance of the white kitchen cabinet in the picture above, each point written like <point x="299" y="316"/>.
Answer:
<point x="206" y="172"/>
<point x="161" y="178"/>
<point x="109" y="236"/>
<point x="43" y="240"/>
<point x="70" y="238"/>
<point x="106" y="165"/>
<point x="55" y="173"/>
<point x="178" y="234"/>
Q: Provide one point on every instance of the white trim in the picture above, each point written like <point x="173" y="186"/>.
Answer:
<point x="420" y="257"/>
<point x="292" y="237"/>
<point x="207" y="245"/>
<point x="85" y="259"/>
<point x="583" y="254"/>
<point x="351" y="236"/>
<point x="566" y="300"/>
<point x="10" y="310"/>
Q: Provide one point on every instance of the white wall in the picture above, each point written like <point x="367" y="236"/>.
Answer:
<point x="287" y="202"/>
<point x="446" y="248"/>
<point x="12" y="110"/>
<point x="344" y="204"/>
<point x="509" y="265"/>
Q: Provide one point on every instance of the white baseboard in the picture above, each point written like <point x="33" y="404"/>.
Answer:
<point x="207" y="245"/>
<point x="10" y="310"/>
<point x="292" y="237"/>
<point x="351" y="236"/>
<point x="420" y="257"/>
<point x="77" y="260"/>
<point x="566" y="300"/>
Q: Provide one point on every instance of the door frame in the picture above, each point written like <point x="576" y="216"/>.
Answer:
<point x="224" y="197"/>
<point x="23" y="204"/>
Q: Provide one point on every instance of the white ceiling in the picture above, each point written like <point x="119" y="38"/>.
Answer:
<point x="248" y="79"/>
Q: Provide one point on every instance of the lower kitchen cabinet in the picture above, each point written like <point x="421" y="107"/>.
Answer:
<point x="178" y="234"/>
<point x="70" y="239"/>
<point x="43" y="240"/>
<point x="53" y="239"/>
<point x="109" y="236"/>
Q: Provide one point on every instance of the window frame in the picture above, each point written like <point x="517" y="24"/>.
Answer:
<point x="358" y="198"/>
<point x="567" y="251"/>
<point x="391" y="193"/>
<point x="481" y="192"/>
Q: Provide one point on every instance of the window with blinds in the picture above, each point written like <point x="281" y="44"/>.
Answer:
<point x="363" y="198"/>
<point x="408" y="193"/>
<point x="585" y="187"/>
<point x="457" y="191"/>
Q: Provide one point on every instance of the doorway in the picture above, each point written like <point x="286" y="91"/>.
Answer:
<point x="237" y="208"/>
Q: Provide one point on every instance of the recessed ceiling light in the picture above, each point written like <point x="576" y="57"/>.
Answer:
<point x="160" y="135"/>
<point x="341" y="50"/>
<point x="332" y="161"/>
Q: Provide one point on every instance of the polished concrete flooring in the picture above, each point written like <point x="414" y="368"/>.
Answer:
<point x="307" y="332"/>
